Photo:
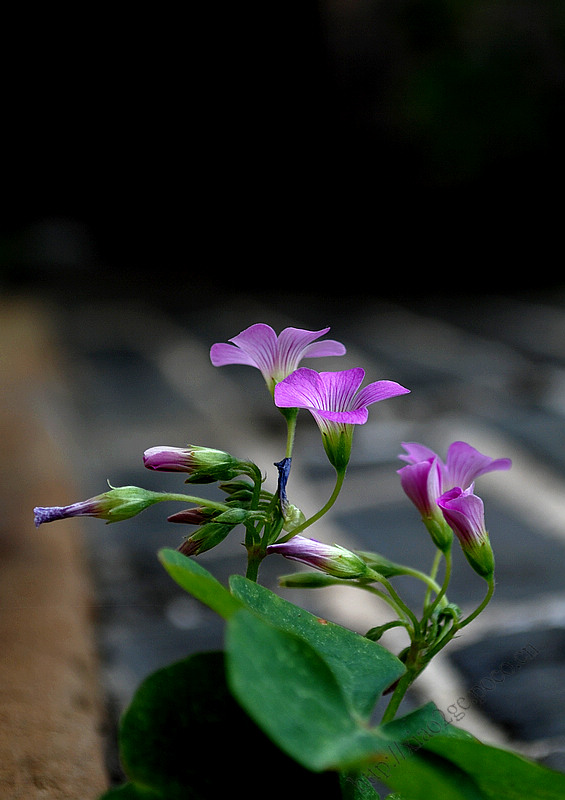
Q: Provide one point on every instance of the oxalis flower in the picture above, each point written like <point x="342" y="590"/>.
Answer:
<point x="275" y="356"/>
<point x="464" y="512"/>
<point x="427" y="477"/>
<point x="462" y="466"/>
<point x="335" y="402"/>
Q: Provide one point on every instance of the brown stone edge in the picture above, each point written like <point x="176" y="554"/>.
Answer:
<point x="51" y="709"/>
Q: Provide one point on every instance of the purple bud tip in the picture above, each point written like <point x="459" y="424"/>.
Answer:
<point x="167" y="459"/>
<point x="42" y="515"/>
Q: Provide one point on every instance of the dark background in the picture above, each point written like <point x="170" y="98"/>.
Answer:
<point x="396" y="148"/>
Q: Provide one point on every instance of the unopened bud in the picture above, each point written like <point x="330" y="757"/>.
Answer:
<point x="203" y="464"/>
<point x="331" y="559"/>
<point x="115" y="505"/>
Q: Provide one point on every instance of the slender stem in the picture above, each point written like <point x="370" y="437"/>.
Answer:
<point x="482" y="606"/>
<point x="430" y="609"/>
<point x="457" y="626"/>
<point x="334" y="495"/>
<point x="432" y="585"/>
<point x="373" y="590"/>
<point x="394" y="702"/>
<point x="403" y="685"/>
<point x="187" y="498"/>
<point x="433" y="572"/>
<point x="407" y="612"/>
<point x="291" y="415"/>
<point x="415" y="664"/>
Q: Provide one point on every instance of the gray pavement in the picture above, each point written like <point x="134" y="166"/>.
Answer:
<point x="488" y="370"/>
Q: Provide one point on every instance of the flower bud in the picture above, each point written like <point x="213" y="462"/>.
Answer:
<point x="201" y="515"/>
<point x="331" y="559"/>
<point x="204" y="464"/>
<point x="193" y="516"/>
<point x="113" y="506"/>
<point x="205" y="538"/>
<point x="238" y="490"/>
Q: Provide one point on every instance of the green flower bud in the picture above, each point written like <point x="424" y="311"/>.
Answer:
<point x="113" y="506"/>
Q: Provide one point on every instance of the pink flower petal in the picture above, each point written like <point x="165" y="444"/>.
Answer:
<point x="276" y="357"/>
<point x="380" y="390"/>
<point x="464" y="464"/>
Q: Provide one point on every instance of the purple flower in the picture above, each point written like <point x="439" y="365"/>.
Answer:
<point x="117" y="504"/>
<point x="335" y="402"/>
<point x="276" y="357"/>
<point x="331" y="559"/>
<point x="463" y="464"/>
<point x="426" y="477"/>
<point x="203" y="464"/>
<point x="464" y="513"/>
<point x="422" y="483"/>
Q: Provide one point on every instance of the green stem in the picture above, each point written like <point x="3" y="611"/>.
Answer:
<point x="454" y="630"/>
<point x="483" y="605"/>
<point x="291" y="415"/>
<point x="187" y="498"/>
<point x="391" y="602"/>
<point x="415" y="664"/>
<point x="441" y="594"/>
<point x="432" y="585"/>
<point x="407" y="612"/>
<point x="400" y="689"/>
<point x="334" y="495"/>
<point x="433" y="572"/>
<point x="254" y="559"/>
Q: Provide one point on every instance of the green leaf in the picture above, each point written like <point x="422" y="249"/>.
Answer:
<point x="420" y="777"/>
<point x="184" y="736"/>
<point x="192" y="577"/>
<point x="293" y="695"/>
<point x="418" y="727"/>
<point x="363" y="669"/>
<point x="426" y="751"/>
<point x="357" y="787"/>
<point x="501" y="773"/>
<point x="407" y="767"/>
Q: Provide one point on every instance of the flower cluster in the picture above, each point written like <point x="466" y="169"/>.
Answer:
<point x="444" y="495"/>
<point x="443" y="492"/>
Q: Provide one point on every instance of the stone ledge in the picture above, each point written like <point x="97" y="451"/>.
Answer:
<point x="51" y="744"/>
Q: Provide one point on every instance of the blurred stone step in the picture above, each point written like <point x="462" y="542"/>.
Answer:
<point x="51" y="709"/>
